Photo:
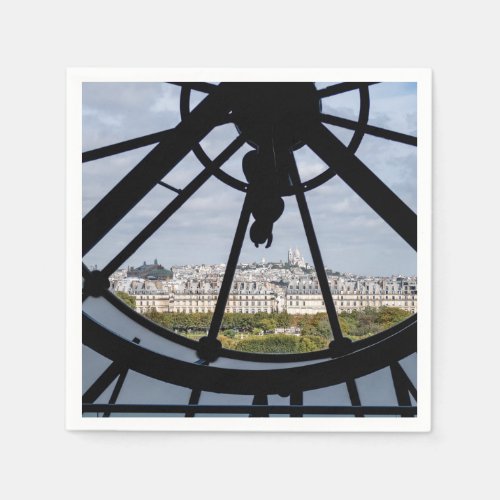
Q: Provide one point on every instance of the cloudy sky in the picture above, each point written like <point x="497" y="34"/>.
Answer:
<point x="352" y="237"/>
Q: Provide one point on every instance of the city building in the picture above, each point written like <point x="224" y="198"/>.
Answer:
<point x="153" y="271"/>
<point x="352" y="294"/>
<point x="260" y="287"/>
<point x="295" y="258"/>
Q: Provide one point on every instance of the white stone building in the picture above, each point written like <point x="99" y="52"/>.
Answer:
<point x="265" y="288"/>
<point x="304" y="296"/>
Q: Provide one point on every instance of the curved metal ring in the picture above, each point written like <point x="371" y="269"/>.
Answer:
<point x="364" y="111"/>
<point x="248" y="356"/>
<point x="363" y="361"/>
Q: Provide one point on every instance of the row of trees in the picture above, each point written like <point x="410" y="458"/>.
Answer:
<point x="357" y="323"/>
<point x="244" y="332"/>
<point x="276" y="343"/>
<point x="240" y="322"/>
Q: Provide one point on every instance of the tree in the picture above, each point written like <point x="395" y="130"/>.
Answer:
<point x="227" y="342"/>
<point x="369" y="321"/>
<point x="313" y="343"/>
<point x="283" y="320"/>
<point x="269" y="344"/>
<point x="128" y="299"/>
<point x="266" y="324"/>
<point x="307" y="330"/>
<point x="389" y="316"/>
<point x="280" y="344"/>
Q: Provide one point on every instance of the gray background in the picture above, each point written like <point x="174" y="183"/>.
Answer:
<point x="458" y="41"/>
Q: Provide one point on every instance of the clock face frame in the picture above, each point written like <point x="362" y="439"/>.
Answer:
<point x="214" y="369"/>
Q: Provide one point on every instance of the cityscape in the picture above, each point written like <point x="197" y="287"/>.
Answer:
<point x="264" y="287"/>
<point x="267" y="323"/>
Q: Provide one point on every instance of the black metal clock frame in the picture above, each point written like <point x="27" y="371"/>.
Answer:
<point x="344" y="361"/>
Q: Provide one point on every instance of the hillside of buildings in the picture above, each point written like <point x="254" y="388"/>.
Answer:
<point x="272" y="307"/>
<point x="290" y="286"/>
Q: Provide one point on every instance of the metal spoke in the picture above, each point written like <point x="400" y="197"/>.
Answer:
<point x="172" y="188"/>
<point x="102" y="383"/>
<point x="352" y="389"/>
<point x="161" y="160"/>
<point x="106" y="378"/>
<point x="363" y="181"/>
<point x="402" y="385"/>
<point x="232" y="262"/>
<point x="315" y="251"/>
<point x="122" y="147"/>
<point x="370" y="129"/>
<point x="296" y="399"/>
<point x="116" y="390"/>
<point x="259" y="400"/>
<point x="171" y="208"/>
<point x="199" y="86"/>
<point x="364" y="114"/>
<point x="340" y="88"/>
<point x="194" y="399"/>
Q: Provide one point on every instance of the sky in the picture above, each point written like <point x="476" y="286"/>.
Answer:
<point x="352" y="237"/>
